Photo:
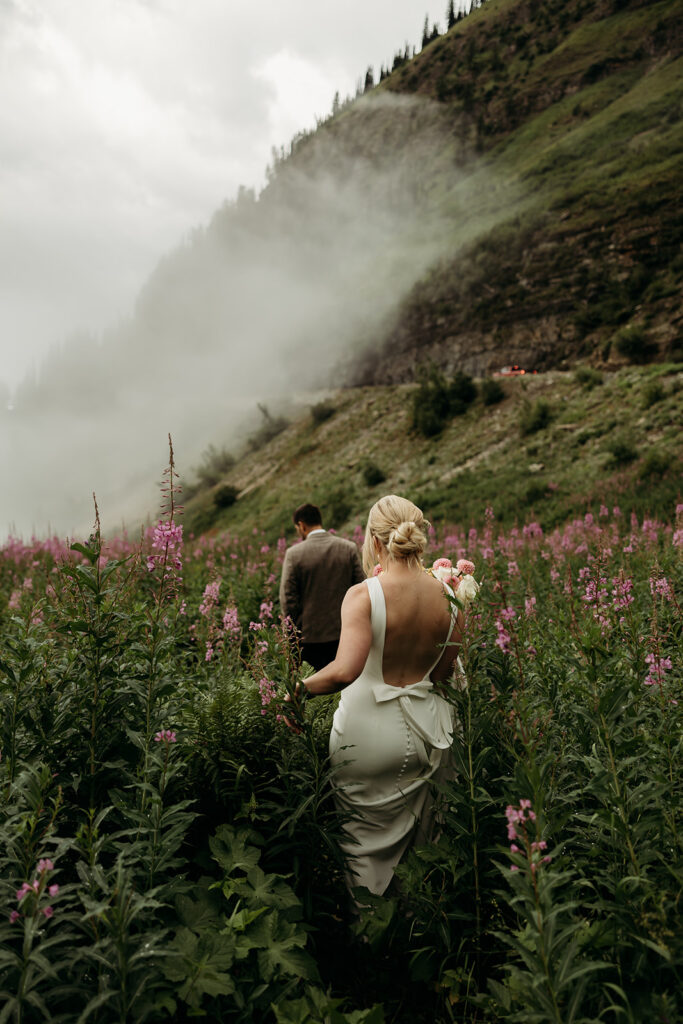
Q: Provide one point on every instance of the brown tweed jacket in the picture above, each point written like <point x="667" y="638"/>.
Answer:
<point x="315" y="576"/>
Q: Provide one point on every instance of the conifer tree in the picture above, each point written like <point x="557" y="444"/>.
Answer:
<point x="425" y="32"/>
<point x="450" y="15"/>
<point x="369" y="80"/>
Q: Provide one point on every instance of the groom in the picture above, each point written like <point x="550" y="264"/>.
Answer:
<point x="315" y="578"/>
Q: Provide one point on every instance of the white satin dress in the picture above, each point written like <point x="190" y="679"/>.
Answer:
<point x="387" y="743"/>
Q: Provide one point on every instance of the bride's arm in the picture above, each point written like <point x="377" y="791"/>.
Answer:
<point x="354" y="645"/>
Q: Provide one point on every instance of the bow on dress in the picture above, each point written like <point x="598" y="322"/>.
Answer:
<point x="442" y="735"/>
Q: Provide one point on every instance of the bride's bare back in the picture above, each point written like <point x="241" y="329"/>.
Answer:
<point x="418" y="623"/>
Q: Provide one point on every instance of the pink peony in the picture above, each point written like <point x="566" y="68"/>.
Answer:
<point x="443" y="563"/>
<point x="465" y="567"/>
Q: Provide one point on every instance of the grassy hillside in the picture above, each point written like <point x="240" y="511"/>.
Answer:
<point x="612" y="438"/>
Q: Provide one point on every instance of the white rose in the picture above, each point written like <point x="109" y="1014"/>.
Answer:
<point x="467" y="589"/>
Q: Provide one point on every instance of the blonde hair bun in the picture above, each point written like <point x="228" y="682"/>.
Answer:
<point x="406" y="540"/>
<point x="399" y="526"/>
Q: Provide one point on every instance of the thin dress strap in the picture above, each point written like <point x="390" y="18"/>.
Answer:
<point x="378" y="623"/>
<point x="454" y="615"/>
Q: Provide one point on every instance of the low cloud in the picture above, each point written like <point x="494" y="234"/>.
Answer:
<point x="277" y="296"/>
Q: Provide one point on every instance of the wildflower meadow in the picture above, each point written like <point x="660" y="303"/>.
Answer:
<point x="169" y="847"/>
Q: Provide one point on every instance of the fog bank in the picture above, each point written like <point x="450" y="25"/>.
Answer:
<point x="275" y="297"/>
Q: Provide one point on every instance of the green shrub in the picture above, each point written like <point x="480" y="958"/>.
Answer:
<point x="216" y="462"/>
<point x="322" y="411"/>
<point x="270" y="427"/>
<point x="372" y="474"/>
<point x="534" y="416"/>
<point x="436" y="400"/>
<point x="655" y="463"/>
<point x="225" y="496"/>
<point x="632" y="344"/>
<point x="652" y="392"/>
<point x="492" y="391"/>
<point x="431" y="402"/>
<point x="622" y="450"/>
<point x="536" y="491"/>
<point x="462" y="391"/>
<point x="587" y="376"/>
<point x="337" y="507"/>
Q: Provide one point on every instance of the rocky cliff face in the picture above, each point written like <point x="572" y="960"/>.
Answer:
<point x="577" y="108"/>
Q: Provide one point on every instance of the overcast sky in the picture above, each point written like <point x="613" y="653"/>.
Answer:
<point x="126" y="123"/>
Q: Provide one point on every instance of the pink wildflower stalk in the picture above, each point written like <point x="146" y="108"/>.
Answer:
<point x="165" y="736"/>
<point x="519" y="822"/>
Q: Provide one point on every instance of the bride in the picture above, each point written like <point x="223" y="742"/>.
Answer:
<point x="392" y="731"/>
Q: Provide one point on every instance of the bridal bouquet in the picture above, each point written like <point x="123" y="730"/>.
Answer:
<point x="459" y="576"/>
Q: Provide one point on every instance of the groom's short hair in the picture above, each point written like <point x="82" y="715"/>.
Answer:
<point x="308" y="514"/>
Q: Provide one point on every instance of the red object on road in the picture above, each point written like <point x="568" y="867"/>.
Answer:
<point x="512" y="371"/>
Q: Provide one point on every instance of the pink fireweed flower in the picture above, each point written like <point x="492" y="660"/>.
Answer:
<point x="45" y="865"/>
<point x="658" y="666"/>
<point x="517" y="821"/>
<point x="622" y="592"/>
<point x="48" y="911"/>
<point x="167" y="542"/>
<point x="209" y="598"/>
<point x="267" y="689"/>
<point x="53" y="889"/>
<point x="231" y="623"/>
<point x="660" y="587"/>
<point x="513" y="569"/>
<point x="165" y="736"/>
<point x="529" y="605"/>
<point x="14" y="916"/>
<point x="503" y="639"/>
<point x="265" y="611"/>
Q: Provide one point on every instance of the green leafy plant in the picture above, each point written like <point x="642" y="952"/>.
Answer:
<point x="534" y="416"/>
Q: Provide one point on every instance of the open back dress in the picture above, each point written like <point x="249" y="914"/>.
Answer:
<point x="387" y="743"/>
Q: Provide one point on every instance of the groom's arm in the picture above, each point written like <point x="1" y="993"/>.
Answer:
<point x="357" y="574"/>
<point x="290" y="598"/>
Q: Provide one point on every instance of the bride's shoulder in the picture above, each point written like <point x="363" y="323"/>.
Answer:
<point x="356" y="601"/>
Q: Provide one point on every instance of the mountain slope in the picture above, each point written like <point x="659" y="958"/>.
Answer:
<point x="578" y="106"/>
<point x="612" y="439"/>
